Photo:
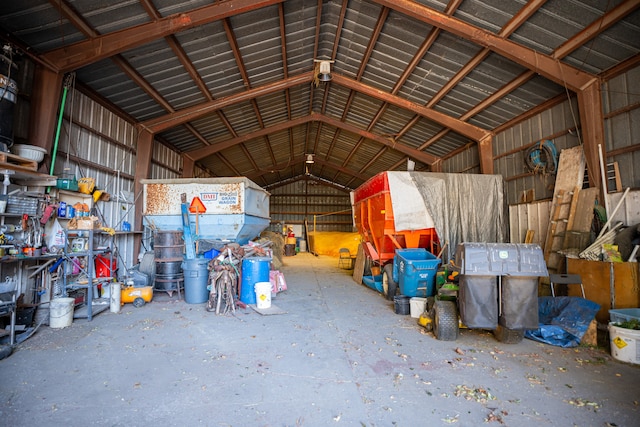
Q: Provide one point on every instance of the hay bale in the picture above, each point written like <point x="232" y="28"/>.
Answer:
<point x="277" y="246"/>
<point x="330" y="242"/>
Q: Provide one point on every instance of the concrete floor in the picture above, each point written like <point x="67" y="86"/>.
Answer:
<point x="338" y="356"/>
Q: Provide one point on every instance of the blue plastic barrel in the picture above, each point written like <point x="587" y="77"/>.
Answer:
<point x="196" y="279"/>
<point x="254" y="270"/>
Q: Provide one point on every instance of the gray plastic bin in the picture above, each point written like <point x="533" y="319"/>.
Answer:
<point x="517" y="267"/>
<point x="478" y="301"/>
<point x="520" y="302"/>
<point x="501" y="259"/>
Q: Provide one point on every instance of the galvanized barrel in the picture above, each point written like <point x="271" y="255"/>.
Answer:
<point x="168" y="249"/>
<point x="169" y="276"/>
<point x="168" y="246"/>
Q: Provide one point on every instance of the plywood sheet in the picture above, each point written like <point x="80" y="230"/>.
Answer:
<point x="570" y="169"/>
<point x="584" y="210"/>
<point x="358" y="268"/>
<point x="596" y="280"/>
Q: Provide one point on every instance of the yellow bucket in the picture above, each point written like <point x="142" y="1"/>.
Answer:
<point x="86" y="185"/>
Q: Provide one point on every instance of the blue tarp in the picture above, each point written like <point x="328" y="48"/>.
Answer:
<point x="563" y="320"/>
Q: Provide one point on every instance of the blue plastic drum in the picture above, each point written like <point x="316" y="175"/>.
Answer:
<point x="254" y="270"/>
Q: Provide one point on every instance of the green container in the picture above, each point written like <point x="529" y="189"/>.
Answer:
<point x="67" y="183"/>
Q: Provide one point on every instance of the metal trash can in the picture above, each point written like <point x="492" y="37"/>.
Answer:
<point x="499" y="284"/>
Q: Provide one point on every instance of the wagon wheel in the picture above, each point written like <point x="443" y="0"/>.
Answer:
<point x="445" y="320"/>
<point x="138" y="302"/>
<point x="508" y="336"/>
<point x="389" y="286"/>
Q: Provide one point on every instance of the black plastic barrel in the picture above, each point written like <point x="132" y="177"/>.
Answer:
<point x="289" y="249"/>
<point x="402" y="304"/>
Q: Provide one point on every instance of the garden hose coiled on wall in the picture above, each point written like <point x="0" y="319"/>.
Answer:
<point x="542" y="157"/>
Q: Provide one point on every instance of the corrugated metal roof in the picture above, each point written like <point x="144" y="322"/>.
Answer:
<point x="356" y="129"/>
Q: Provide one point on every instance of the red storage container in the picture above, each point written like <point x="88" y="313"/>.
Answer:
<point x="106" y="266"/>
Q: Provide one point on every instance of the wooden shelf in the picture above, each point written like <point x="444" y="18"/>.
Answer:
<point x="24" y="172"/>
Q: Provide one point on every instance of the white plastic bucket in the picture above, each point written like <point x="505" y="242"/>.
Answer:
<point x="417" y="306"/>
<point x="61" y="312"/>
<point x="115" y="297"/>
<point x="303" y="246"/>
<point x="263" y="294"/>
<point x="625" y="344"/>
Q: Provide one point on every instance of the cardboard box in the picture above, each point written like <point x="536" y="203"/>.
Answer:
<point x="84" y="223"/>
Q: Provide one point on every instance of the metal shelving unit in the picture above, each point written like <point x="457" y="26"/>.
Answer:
<point x="80" y="272"/>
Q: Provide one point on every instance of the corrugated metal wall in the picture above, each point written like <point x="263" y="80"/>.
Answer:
<point x="556" y="124"/>
<point x="529" y="216"/>
<point x="328" y="207"/>
<point x="622" y="127"/>
<point x="621" y="99"/>
<point x="559" y="123"/>
<point x="97" y="143"/>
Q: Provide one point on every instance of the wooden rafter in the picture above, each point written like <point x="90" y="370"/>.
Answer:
<point x="77" y="55"/>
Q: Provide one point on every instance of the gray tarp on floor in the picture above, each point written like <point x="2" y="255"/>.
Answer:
<point x="461" y="207"/>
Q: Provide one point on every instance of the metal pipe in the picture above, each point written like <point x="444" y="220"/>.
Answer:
<point x="610" y="216"/>
<point x="603" y="177"/>
<point x="67" y="84"/>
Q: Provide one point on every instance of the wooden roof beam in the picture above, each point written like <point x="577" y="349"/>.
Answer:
<point x="411" y="152"/>
<point x="95" y="49"/>
<point x="547" y="66"/>
<point x="470" y="131"/>
<point x="171" y="120"/>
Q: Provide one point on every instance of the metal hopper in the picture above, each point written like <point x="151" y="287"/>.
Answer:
<point x="237" y="209"/>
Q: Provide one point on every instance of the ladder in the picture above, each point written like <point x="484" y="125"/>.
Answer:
<point x="563" y="211"/>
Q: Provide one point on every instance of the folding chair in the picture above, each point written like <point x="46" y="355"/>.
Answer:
<point x="565" y="279"/>
<point x="345" y="260"/>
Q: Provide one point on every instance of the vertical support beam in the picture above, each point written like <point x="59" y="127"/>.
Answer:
<point x="144" y="153"/>
<point x="592" y="125"/>
<point x="187" y="166"/>
<point x="45" y="99"/>
<point x="485" y="153"/>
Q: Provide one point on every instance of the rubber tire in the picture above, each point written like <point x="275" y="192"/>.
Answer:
<point x="138" y="302"/>
<point x="5" y="351"/>
<point x="430" y="302"/>
<point x="389" y="286"/>
<point x="445" y="320"/>
<point x="508" y="336"/>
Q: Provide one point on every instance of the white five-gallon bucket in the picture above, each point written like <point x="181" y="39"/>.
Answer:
<point x="263" y="294"/>
<point x="417" y="306"/>
<point x="625" y="344"/>
<point x="61" y="312"/>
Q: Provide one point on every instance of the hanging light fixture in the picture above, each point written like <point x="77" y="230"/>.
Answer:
<point x="309" y="160"/>
<point x="323" y="69"/>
